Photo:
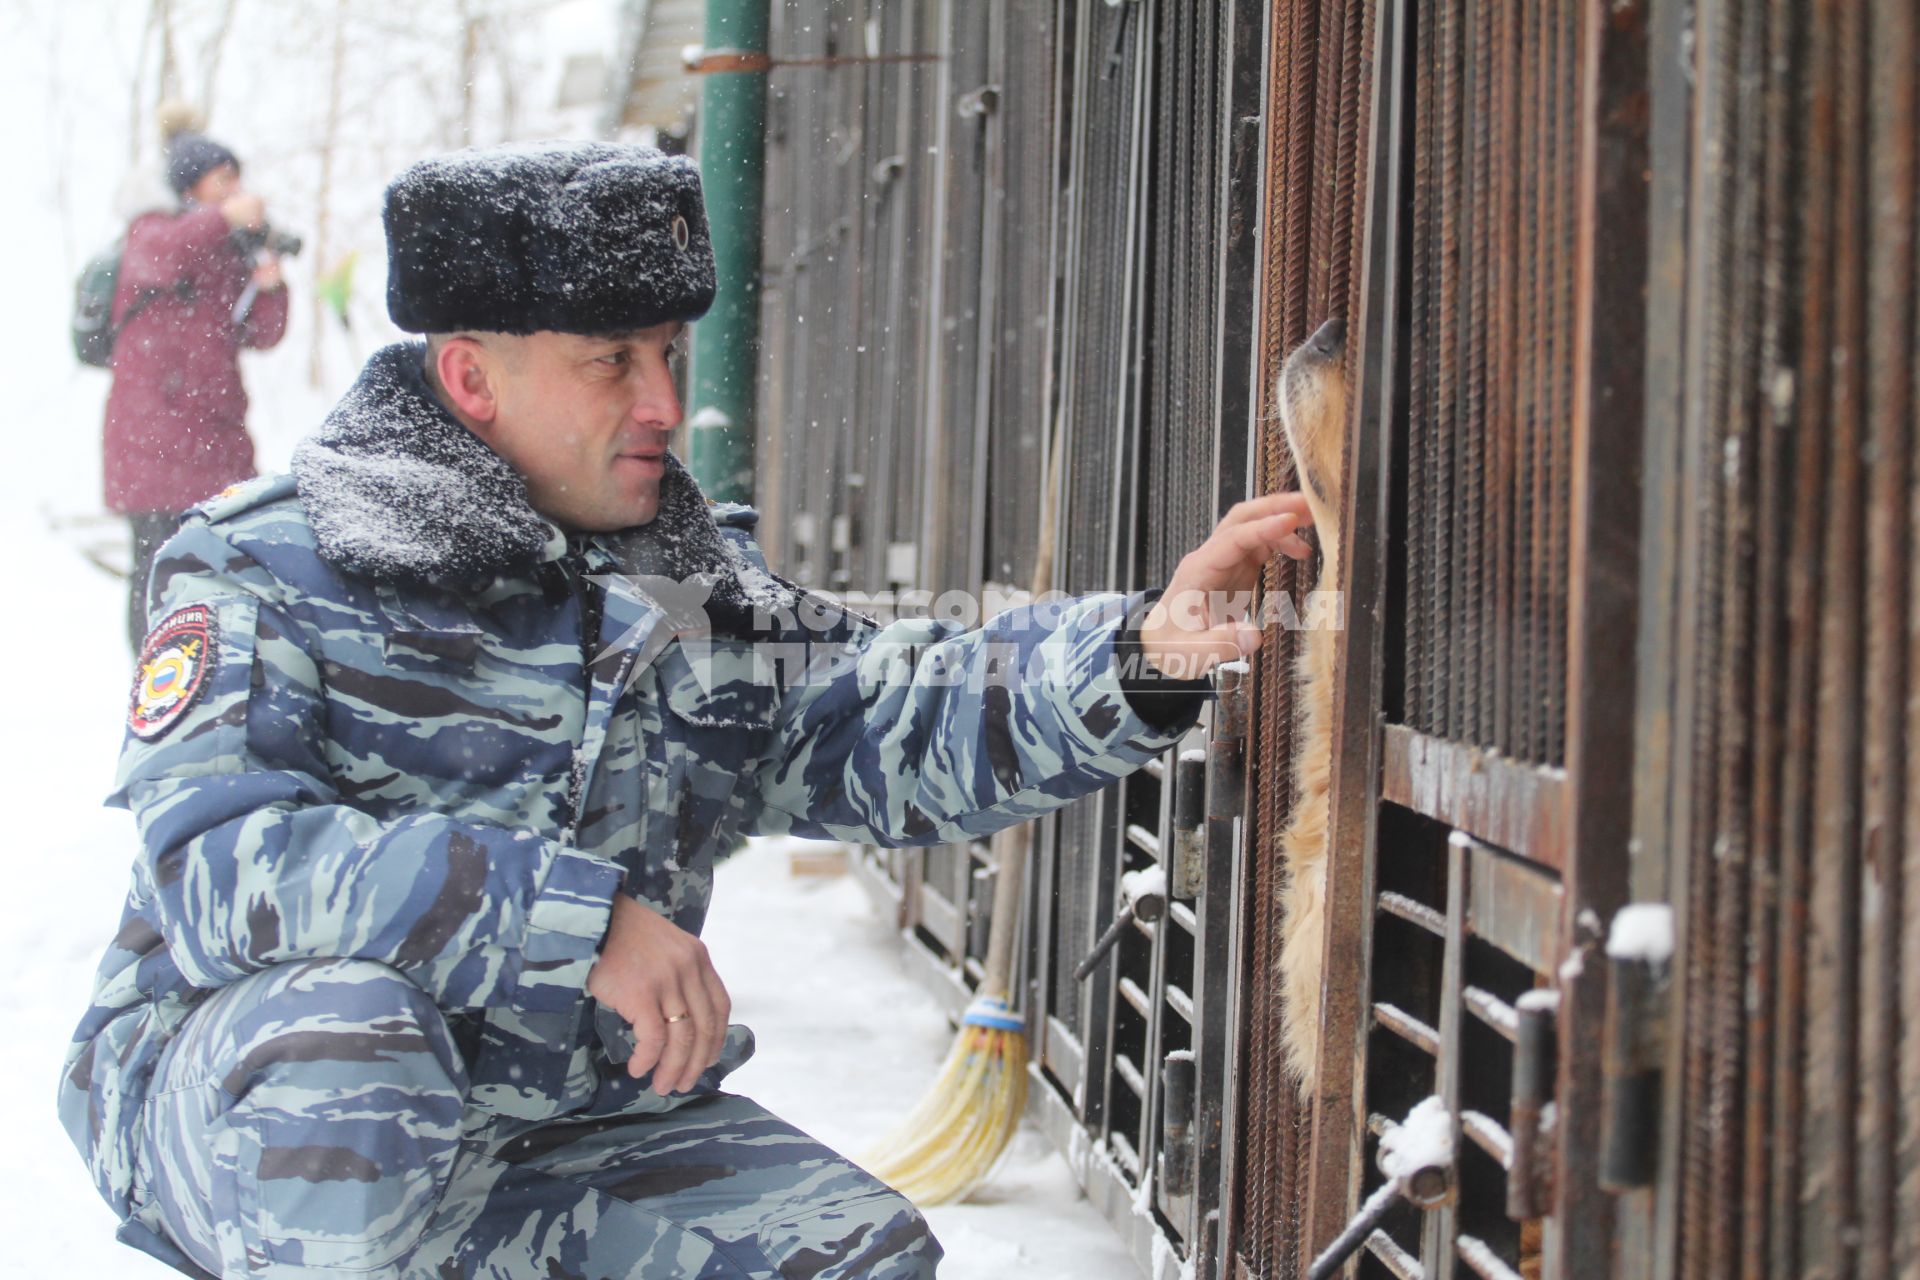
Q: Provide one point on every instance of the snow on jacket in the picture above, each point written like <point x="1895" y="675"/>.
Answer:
<point x="402" y="752"/>
<point x="176" y="428"/>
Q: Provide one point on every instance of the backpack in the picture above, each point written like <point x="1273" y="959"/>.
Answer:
<point x="92" y="322"/>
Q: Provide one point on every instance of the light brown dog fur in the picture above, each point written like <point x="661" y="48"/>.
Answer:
<point x="1313" y="411"/>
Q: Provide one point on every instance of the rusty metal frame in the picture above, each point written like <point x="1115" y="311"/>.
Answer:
<point x="1339" y="1122"/>
<point x="1609" y="370"/>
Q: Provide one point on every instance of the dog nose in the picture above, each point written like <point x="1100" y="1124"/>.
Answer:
<point x="1330" y="337"/>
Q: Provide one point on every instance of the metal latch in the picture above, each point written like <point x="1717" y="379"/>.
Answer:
<point x="1639" y="959"/>
<point x="1530" y="1111"/>
<point x="1190" y="825"/>
<point x="1416" y="1156"/>
<point x="1176" y="1125"/>
<point x="1226" y="754"/>
<point x="1146" y="901"/>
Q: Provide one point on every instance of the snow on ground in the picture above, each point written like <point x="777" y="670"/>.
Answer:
<point x="848" y="1042"/>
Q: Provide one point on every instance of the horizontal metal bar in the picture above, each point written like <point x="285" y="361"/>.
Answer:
<point x="1130" y="991"/>
<point x="1146" y="928"/>
<point x="1414" y="912"/>
<point x="1482" y="1261"/>
<point x="1143" y="839"/>
<point x="1180" y="1002"/>
<point x="1402" y="1264"/>
<point x="1489" y="1135"/>
<point x="1155" y="768"/>
<point x="1522" y="808"/>
<point x="1183" y="916"/>
<point x="1408" y="1028"/>
<point x="1130" y="1074"/>
<point x="1493" y="1011"/>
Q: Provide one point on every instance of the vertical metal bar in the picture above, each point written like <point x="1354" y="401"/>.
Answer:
<point x="1468" y="418"/>
<point x="1830" y="1198"/>
<point x="990" y="197"/>
<point x="1888" y="139"/>
<point x="1526" y="401"/>
<point x="1773" y="497"/>
<point x="1343" y="279"/>
<point x="1701" y="577"/>
<point x="1380" y="401"/>
<point x="1661" y="501"/>
<point x="1549" y="344"/>
<point x="1329" y="30"/>
<point x="1262" y="1225"/>
<point x="1303" y="46"/>
<point x="1907" y="1155"/>
<point x="1437" y="1226"/>
<point x="1724" y="846"/>
<point x="1566" y="126"/>
<point x="1803" y="374"/>
<point x="1501" y="371"/>
<point x="1420" y="655"/>
<point x="1477" y="622"/>
<point x="1148" y="1140"/>
<point x="936" y="431"/>
<point x="1223" y="1035"/>
<point x="1609" y="84"/>
<point x="1237" y="397"/>
<point x="1444" y="568"/>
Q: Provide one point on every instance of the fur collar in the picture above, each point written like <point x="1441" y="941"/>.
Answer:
<point x="397" y="490"/>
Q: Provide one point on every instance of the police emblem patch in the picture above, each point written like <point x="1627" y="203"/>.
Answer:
<point x="172" y="668"/>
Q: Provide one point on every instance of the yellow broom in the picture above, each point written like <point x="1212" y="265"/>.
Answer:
<point x="956" y="1135"/>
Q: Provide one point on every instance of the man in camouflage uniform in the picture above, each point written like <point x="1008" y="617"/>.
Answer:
<point x="433" y="744"/>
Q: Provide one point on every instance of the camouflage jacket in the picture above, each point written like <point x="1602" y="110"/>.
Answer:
<point x="389" y="712"/>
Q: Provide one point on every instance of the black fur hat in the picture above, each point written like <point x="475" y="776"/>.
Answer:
<point x="588" y="237"/>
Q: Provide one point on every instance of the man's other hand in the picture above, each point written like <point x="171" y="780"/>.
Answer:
<point x="659" y="978"/>
<point x="1206" y="615"/>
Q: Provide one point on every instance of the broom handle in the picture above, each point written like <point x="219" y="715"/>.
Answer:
<point x="1009" y="881"/>
<point x="1011" y="846"/>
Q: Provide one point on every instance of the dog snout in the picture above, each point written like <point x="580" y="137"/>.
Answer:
<point x="1329" y="339"/>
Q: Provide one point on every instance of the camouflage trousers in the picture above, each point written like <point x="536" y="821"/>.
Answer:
<point x="310" y="1120"/>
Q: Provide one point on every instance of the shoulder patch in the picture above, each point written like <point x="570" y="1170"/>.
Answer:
<point x="172" y="670"/>
<point x="236" y="499"/>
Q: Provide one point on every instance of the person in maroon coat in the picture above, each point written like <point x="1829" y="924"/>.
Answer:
<point x="191" y="294"/>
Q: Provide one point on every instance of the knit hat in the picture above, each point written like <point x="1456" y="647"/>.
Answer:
<point x="190" y="154"/>
<point x="589" y="237"/>
<point x="191" y="157"/>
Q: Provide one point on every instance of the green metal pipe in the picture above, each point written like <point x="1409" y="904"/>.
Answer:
<point x="726" y="344"/>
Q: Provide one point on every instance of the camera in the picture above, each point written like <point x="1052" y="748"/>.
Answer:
<point x="272" y="239"/>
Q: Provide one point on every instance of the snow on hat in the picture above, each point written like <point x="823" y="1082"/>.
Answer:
<point x="588" y="237"/>
<point x="191" y="154"/>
